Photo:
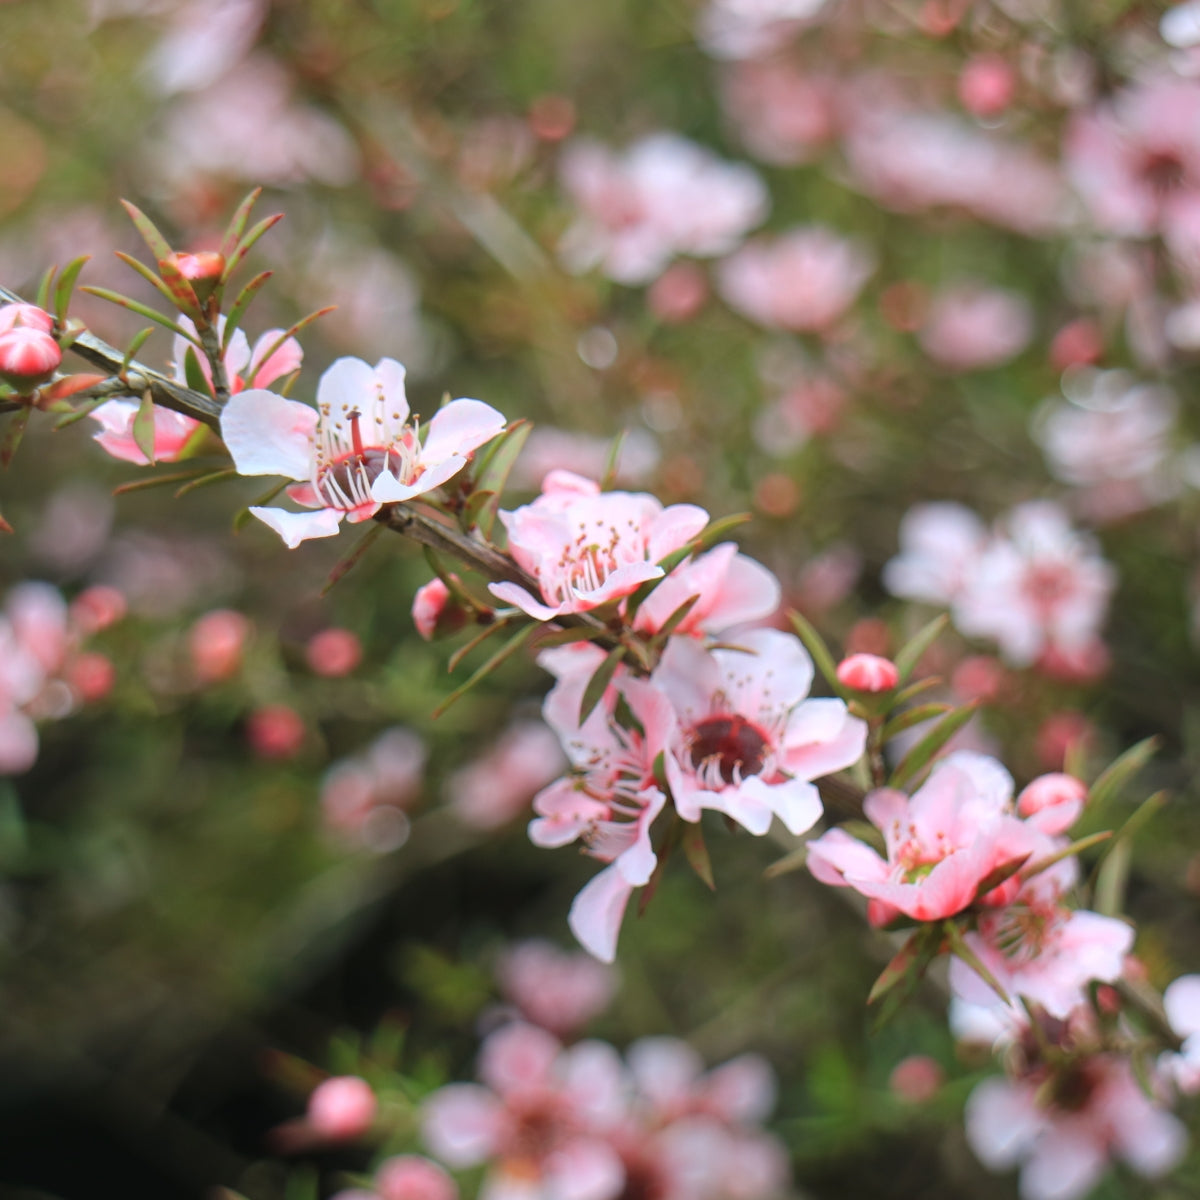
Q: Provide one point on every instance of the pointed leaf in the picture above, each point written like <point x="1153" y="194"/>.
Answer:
<point x="143" y="485"/>
<point x="1114" y="887"/>
<point x="904" y="695"/>
<point x="159" y="246"/>
<point x="612" y="463"/>
<point x="14" y="430"/>
<point x="238" y="222"/>
<point x="1119" y="772"/>
<point x="289" y="333"/>
<point x="502" y="655"/>
<point x="999" y="873"/>
<point x="344" y="566"/>
<point x="241" y="303"/>
<point x="598" y="684"/>
<point x="79" y="413"/>
<point x="149" y="276"/>
<point x="910" y="717"/>
<point x="244" y="515"/>
<point x="193" y="374"/>
<point x="495" y="467"/>
<point x="1076" y="847"/>
<point x="479" y="638"/>
<point x="197" y="440"/>
<point x="960" y="949"/>
<point x="135" y="344"/>
<point x="551" y="636"/>
<point x="42" y="298"/>
<point x="924" y="751"/>
<point x="180" y="291"/>
<point x="675" y="619"/>
<point x="792" y="861"/>
<point x="246" y="242"/>
<point x="204" y="480"/>
<point x="908" y="965"/>
<point x="910" y="654"/>
<point x="141" y="309"/>
<point x="696" y="852"/>
<point x="817" y="648"/>
<point x="66" y="285"/>
<point x="1112" y="878"/>
<point x="143" y="427"/>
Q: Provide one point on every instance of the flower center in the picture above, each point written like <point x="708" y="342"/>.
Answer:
<point x="1163" y="171"/>
<point x="728" y="745"/>
<point x="346" y="467"/>
<point x="1048" y="584"/>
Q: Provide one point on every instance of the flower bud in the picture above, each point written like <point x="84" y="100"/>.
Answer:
<point x="28" y="357"/>
<point x="411" y="1177"/>
<point x="334" y="652"/>
<point x="868" y="673"/>
<point x="202" y="270"/>
<point x="91" y="676"/>
<point x="436" y="612"/>
<point x="916" y="1079"/>
<point x="29" y="316"/>
<point x="96" y="608"/>
<point x="1053" y="802"/>
<point x="215" y="644"/>
<point x="342" y="1108"/>
<point x="987" y="85"/>
<point x="275" y="732"/>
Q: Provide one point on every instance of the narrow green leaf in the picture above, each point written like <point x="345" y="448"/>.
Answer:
<point x="237" y="224"/>
<point x="84" y="409"/>
<point x="237" y="310"/>
<point x="923" y="752"/>
<point x="1112" y="878"/>
<point x="502" y="655"/>
<point x="714" y="533"/>
<point x="791" y="861"/>
<point x="473" y="509"/>
<point x="612" y="463"/>
<point x="1125" y="836"/>
<point x="143" y="427"/>
<point x="1000" y="874"/>
<point x="904" y="695"/>
<point x="915" y="647"/>
<point x="696" y="852"/>
<point x="1077" y="847"/>
<point x="196" y="441"/>
<point x="42" y="298"/>
<point x="149" y="276"/>
<point x="243" y="515"/>
<point x="908" y="965"/>
<point x="478" y="639"/>
<point x="288" y="333"/>
<point x="142" y="310"/>
<point x="817" y="648"/>
<point x="135" y="344"/>
<point x="598" y="684"/>
<point x="159" y="246"/>
<point x="495" y="467"/>
<point x="1119" y="772"/>
<point x="344" y="566"/>
<point x="180" y="291"/>
<point x="204" y="480"/>
<point x="14" y="430"/>
<point x="675" y="619"/>
<point x="196" y="379"/>
<point x="246" y="242"/>
<point x="960" y="949"/>
<point x="66" y="285"/>
<point x="551" y="636"/>
<point x="910" y="717"/>
<point x="143" y="485"/>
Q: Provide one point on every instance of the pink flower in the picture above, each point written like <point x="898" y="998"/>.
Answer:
<point x="987" y="84"/>
<point x="540" y="1123"/>
<point x="586" y="548"/>
<point x="940" y="545"/>
<point x="216" y="642"/>
<point x="1181" y="1000"/>
<point x="334" y="652"/>
<point x="549" y="449"/>
<point x="868" y="673"/>
<point x="1064" y="1145"/>
<point x="784" y="116"/>
<point x="971" y="327"/>
<point x="555" y="989"/>
<point x="498" y="786"/>
<point x="942" y="842"/>
<point x="916" y="1079"/>
<point x="173" y="432"/>
<point x="364" y="797"/>
<point x="753" y="28"/>
<point x="342" y="1108"/>
<point x="1052" y="803"/>
<point x="666" y="196"/>
<point x="270" y="359"/>
<point x="355" y="452"/>
<point x="802" y="280"/>
<point x="744" y="739"/>
<point x="411" y="1177"/>
<point x="205" y="39"/>
<point x="435" y="611"/>
<point x="275" y="731"/>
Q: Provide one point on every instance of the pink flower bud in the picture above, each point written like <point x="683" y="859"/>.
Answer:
<point x="868" y="673"/>
<point x="342" y="1108"/>
<point x="275" y="732"/>
<point x="1053" y="802"/>
<point x="1077" y="343"/>
<point x="28" y="357"/>
<point x="411" y="1177"/>
<point x="215" y="643"/>
<point x="979" y="677"/>
<point x="916" y="1079"/>
<point x="679" y="293"/>
<point x="91" y="676"/>
<point x="334" y="652"/>
<point x="202" y="270"/>
<point x="435" y="611"/>
<point x="97" y="608"/>
<point x="13" y="316"/>
<point x="987" y="85"/>
<point x="552" y="117"/>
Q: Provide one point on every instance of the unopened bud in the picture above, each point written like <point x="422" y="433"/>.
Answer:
<point x="1053" y="802"/>
<point x="411" y="1177"/>
<point x="436" y="612"/>
<point x="91" y="676"/>
<point x="868" y="673"/>
<point x="28" y="357"/>
<point x="342" y="1108"/>
<point x="13" y="316"/>
<point x="987" y="85"/>
<point x="275" y="732"/>
<point x="203" y="270"/>
<point x="334" y="652"/>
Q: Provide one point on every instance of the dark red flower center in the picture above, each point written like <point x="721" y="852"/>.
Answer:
<point x="732" y="743"/>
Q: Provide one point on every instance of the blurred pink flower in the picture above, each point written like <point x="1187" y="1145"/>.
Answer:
<point x="810" y="406"/>
<point x="784" y="116"/>
<point x="549" y="449"/>
<point x="275" y="732"/>
<point x="753" y="28"/>
<point x="802" y="280"/>
<point x="411" y="1177"/>
<point x="970" y="327"/>
<point x="498" y="786"/>
<point x="554" y="988"/>
<point x="665" y="196"/>
<point x="172" y="431"/>
<point x="987" y="84"/>
<point x="204" y="39"/>
<point x="216" y="642"/>
<point x="342" y="1108"/>
<point x="353" y="453"/>
<point x="940" y="545"/>
<point x="334" y="652"/>
<point x="916" y="1079"/>
<point x="364" y="797"/>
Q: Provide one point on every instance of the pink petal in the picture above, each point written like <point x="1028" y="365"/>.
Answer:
<point x="268" y="435"/>
<point x="673" y="528"/>
<point x="295" y="528"/>
<point x="387" y="489"/>
<point x="459" y="428"/>
<point x="517" y="596"/>
<point x="282" y="362"/>
<point x="461" y="1124"/>
<point x="836" y="855"/>
<point x="596" y="913"/>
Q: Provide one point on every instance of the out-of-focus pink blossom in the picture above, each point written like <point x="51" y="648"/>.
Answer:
<point x="553" y="988"/>
<point x="1078" y="343"/>
<point x="356" y="451"/>
<point x="970" y="327"/>
<point x="1065" y="1134"/>
<point x="498" y="787"/>
<point x="549" y="449"/>
<point x="666" y="196"/>
<point x="940" y="546"/>
<point x="1060" y="733"/>
<point x="1053" y="802"/>
<point x="753" y="28"/>
<point x="275" y="732"/>
<point x="916" y="1079"/>
<point x="91" y="676"/>
<point x="333" y="652"/>
<point x="942" y="842"/>
<point x="205" y="38"/>
<point x="435" y="610"/>
<point x="783" y="115"/>
<point x="216" y="642"/>
<point x="586" y="548"/>
<point x="342" y="1108"/>
<point x="802" y="280"/>
<point x="411" y="1177"/>
<point x="363" y="798"/>
<point x="987" y="85"/>
<point x="96" y="608"/>
<point x="173" y="431"/>
<point x="1181" y="1002"/>
<point x="868" y="673"/>
<point x="679" y="293"/>
<point x="810" y="406"/>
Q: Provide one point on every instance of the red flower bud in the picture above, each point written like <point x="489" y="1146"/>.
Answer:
<point x="202" y="270"/>
<point x="13" y="316"/>
<point x="868" y="673"/>
<point x="28" y="357"/>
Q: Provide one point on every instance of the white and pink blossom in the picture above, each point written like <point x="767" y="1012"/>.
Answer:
<point x="356" y="451"/>
<point x="971" y="327"/>
<point x="553" y="988"/>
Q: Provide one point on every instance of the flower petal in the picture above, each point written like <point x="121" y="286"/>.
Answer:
<point x="295" y="528"/>
<point x="268" y="435"/>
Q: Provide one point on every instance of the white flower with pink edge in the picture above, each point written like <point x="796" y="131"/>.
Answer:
<point x="356" y="451"/>
<point x="586" y="548"/>
<point x="746" y="740"/>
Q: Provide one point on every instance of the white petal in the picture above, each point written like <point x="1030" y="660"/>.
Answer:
<point x="295" y="528"/>
<point x="268" y="435"/>
<point x="459" y="428"/>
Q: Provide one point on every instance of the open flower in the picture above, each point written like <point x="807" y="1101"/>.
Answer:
<point x="354" y="452"/>
<point x="586" y="548"/>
